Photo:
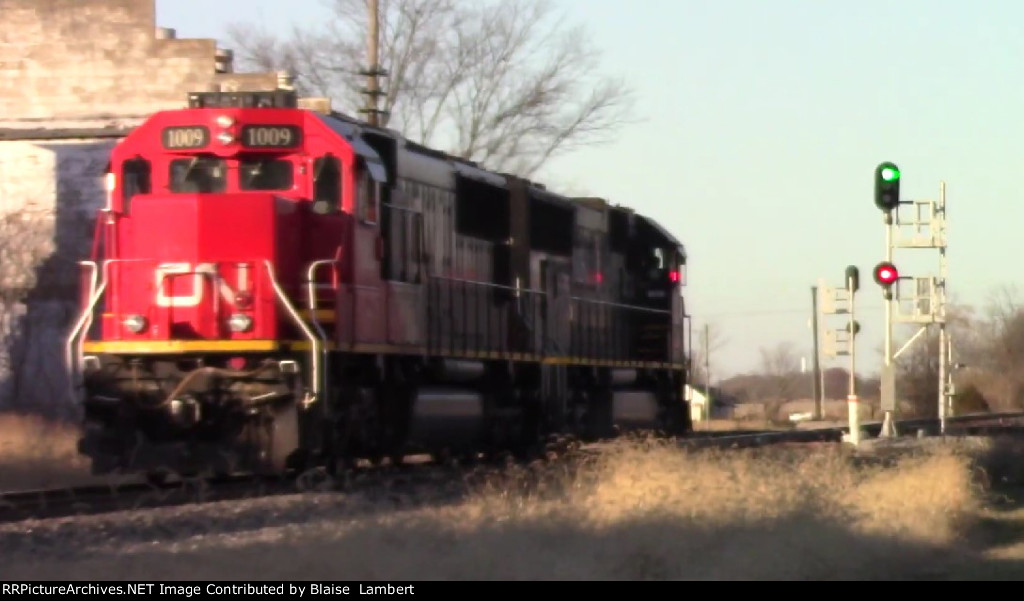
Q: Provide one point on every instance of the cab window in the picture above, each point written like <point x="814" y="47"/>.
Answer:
<point x="366" y="195"/>
<point x="136" y="178"/>
<point x="659" y="259"/>
<point x="264" y="173"/>
<point x="327" y="184"/>
<point x="198" y="175"/>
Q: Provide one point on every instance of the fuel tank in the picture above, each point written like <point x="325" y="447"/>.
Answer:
<point x="635" y="409"/>
<point x="446" y="417"/>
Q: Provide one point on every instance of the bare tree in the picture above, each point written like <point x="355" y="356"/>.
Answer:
<point x="500" y="82"/>
<point x="993" y="349"/>
<point x="781" y="368"/>
<point x="991" y="345"/>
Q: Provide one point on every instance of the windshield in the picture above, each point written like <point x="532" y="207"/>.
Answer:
<point x="264" y="173"/>
<point x="198" y="174"/>
<point x="209" y="175"/>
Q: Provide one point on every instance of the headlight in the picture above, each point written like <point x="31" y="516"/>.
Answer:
<point x="135" y="323"/>
<point x="225" y="121"/>
<point x="225" y="137"/>
<point x="239" y="322"/>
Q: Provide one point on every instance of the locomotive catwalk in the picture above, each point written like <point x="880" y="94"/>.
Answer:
<point x="273" y="288"/>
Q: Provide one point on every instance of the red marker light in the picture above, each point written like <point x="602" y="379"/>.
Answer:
<point x="886" y="273"/>
<point x="673" y="276"/>
<point x="243" y="300"/>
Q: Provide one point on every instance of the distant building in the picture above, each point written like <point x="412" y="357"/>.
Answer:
<point x="722" y="404"/>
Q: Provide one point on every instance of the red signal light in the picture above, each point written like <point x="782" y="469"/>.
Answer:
<point x="886" y="273"/>
<point x="673" y="276"/>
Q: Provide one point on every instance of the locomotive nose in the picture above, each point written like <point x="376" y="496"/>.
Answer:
<point x="207" y="271"/>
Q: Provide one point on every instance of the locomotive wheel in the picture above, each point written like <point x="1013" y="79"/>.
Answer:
<point x="283" y="440"/>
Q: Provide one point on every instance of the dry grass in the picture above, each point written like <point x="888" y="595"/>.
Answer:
<point x="37" y="453"/>
<point x="637" y="511"/>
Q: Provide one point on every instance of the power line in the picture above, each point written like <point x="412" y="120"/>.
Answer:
<point x="774" y="312"/>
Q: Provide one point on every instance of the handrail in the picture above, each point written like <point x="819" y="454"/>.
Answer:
<point x="75" y="341"/>
<point x="71" y="357"/>
<point x="311" y="290"/>
<point x="483" y="284"/>
<point x="619" y="305"/>
<point x="313" y="341"/>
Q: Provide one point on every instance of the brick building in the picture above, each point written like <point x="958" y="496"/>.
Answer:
<point x="75" y="75"/>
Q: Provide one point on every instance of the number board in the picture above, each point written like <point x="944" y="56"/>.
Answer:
<point x="271" y="136"/>
<point x="185" y="137"/>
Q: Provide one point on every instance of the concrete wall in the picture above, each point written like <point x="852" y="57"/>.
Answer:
<point x="101" y="60"/>
<point x="74" y="76"/>
<point x="49" y="193"/>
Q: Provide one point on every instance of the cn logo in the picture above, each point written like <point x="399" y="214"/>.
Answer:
<point x="167" y="273"/>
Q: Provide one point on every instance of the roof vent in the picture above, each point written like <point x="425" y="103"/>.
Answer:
<point x="285" y="80"/>
<point x="224" y="60"/>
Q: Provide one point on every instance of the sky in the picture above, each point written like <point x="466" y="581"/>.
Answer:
<point x="759" y="126"/>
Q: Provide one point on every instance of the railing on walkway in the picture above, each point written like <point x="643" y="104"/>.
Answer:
<point x="466" y="316"/>
<point x="617" y="332"/>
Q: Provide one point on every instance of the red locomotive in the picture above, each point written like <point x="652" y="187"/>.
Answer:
<point x="274" y="288"/>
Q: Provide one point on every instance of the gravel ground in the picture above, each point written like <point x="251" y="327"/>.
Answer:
<point x="30" y="545"/>
<point x="48" y="548"/>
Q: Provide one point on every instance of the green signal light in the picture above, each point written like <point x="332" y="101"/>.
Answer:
<point x="890" y="174"/>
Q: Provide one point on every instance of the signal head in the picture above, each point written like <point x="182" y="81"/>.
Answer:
<point x="852" y="278"/>
<point x="887" y="186"/>
<point x="885" y="275"/>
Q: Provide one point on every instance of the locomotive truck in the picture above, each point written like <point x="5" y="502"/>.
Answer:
<point x="274" y="287"/>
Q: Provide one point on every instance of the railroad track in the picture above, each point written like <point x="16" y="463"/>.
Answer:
<point x="127" y="496"/>
<point x="971" y="424"/>
<point x="133" y="495"/>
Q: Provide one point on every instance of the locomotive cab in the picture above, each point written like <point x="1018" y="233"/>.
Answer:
<point x="217" y="266"/>
<point x="658" y="262"/>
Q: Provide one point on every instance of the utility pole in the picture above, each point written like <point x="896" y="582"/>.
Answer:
<point x="707" y="373"/>
<point x="818" y="392"/>
<point x="940" y="299"/>
<point x="373" y="72"/>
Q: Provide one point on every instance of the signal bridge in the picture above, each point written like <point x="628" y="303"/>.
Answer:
<point x="923" y="299"/>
